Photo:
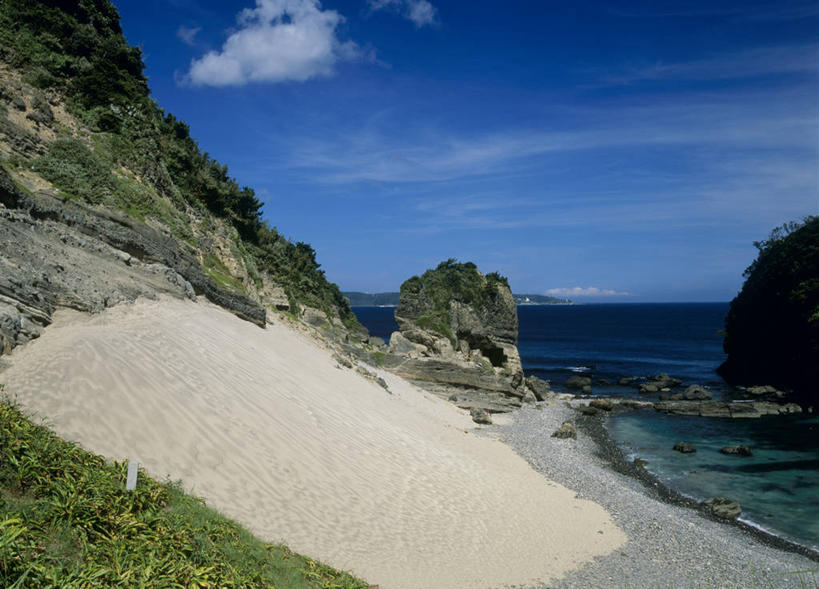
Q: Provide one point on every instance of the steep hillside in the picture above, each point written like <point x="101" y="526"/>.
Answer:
<point x="79" y="132"/>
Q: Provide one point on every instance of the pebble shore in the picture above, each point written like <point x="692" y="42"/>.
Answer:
<point x="670" y="544"/>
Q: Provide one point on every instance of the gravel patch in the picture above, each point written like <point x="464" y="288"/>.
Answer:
<point x="670" y="545"/>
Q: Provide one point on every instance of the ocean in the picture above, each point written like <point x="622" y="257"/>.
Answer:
<point x="778" y="487"/>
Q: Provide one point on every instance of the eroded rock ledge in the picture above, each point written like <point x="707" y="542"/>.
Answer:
<point x="58" y="253"/>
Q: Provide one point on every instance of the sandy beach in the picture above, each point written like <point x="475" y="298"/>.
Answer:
<point x="395" y="486"/>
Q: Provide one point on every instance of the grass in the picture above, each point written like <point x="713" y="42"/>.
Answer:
<point x="66" y="521"/>
<point x="217" y="270"/>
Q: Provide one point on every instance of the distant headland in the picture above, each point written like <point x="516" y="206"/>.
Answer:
<point x="390" y="299"/>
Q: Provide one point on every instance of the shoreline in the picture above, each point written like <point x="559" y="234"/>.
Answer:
<point x="670" y="544"/>
<point x="610" y="452"/>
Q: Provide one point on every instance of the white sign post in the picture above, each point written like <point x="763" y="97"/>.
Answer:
<point x="133" y="470"/>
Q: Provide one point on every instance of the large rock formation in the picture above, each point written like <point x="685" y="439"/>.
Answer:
<point x="772" y="327"/>
<point x="460" y="328"/>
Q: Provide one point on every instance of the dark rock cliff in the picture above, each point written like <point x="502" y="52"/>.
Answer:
<point x="772" y="327"/>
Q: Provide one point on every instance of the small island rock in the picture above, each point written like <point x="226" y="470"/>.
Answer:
<point x="685" y="447"/>
<point x="737" y="450"/>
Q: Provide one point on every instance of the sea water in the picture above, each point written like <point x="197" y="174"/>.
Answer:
<point x="778" y="487"/>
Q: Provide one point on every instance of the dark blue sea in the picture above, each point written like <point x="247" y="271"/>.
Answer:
<point x="778" y="487"/>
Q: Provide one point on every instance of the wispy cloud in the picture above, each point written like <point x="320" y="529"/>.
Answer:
<point x="588" y="291"/>
<point x="420" y="12"/>
<point x="765" y="61"/>
<point x="278" y="40"/>
<point x="188" y="35"/>
<point x="740" y="121"/>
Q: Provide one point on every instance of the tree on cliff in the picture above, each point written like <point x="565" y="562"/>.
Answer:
<point x="772" y="327"/>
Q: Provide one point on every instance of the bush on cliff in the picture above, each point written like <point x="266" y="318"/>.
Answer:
<point x="772" y="327"/>
<point x="449" y="281"/>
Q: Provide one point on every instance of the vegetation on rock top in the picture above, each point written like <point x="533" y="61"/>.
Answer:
<point x="772" y="327"/>
<point x="450" y="281"/>
<point x="66" y="520"/>
<point x="139" y="158"/>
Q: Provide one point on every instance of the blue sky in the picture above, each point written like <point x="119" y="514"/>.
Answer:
<point x="612" y="151"/>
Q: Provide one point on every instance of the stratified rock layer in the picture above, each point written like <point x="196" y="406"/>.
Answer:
<point x="57" y="253"/>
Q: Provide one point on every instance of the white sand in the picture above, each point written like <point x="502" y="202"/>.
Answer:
<point x="265" y="426"/>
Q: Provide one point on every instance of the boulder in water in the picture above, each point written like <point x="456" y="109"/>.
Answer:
<point x="697" y="393"/>
<point x="737" y="450"/>
<point x="685" y="447"/>
<point x="579" y="383"/>
<point x="602" y="404"/>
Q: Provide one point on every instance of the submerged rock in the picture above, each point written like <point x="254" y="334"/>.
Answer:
<point x="697" y="393"/>
<point x="579" y="383"/>
<point x="685" y="447"/>
<point x="722" y="508"/>
<point x="737" y="450"/>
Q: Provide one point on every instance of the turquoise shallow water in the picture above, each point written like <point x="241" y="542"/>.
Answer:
<point x="778" y="487"/>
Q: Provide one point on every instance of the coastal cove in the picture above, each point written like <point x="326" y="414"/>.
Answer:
<point x="777" y="486"/>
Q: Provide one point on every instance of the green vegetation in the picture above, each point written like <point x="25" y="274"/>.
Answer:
<point x="772" y="327"/>
<point x="450" y="281"/>
<point x="66" y="521"/>
<point x="78" y="49"/>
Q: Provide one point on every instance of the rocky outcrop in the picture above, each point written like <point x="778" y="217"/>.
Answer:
<point x="565" y="431"/>
<point x="661" y="383"/>
<point x="459" y="328"/>
<point x="602" y="404"/>
<point x="480" y="416"/>
<point x="722" y="508"/>
<point x="57" y="253"/>
<point x="733" y="409"/>
<point x="540" y="388"/>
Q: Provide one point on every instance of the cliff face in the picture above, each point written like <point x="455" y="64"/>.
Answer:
<point x="460" y="328"/>
<point x="104" y="197"/>
<point x="772" y="327"/>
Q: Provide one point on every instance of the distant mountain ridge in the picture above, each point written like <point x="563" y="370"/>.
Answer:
<point x="390" y="299"/>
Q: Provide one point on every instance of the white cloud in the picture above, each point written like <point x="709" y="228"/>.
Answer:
<point x="420" y="12"/>
<point x="589" y="291"/>
<point x="278" y="40"/>
<point x="188" y="35"/>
